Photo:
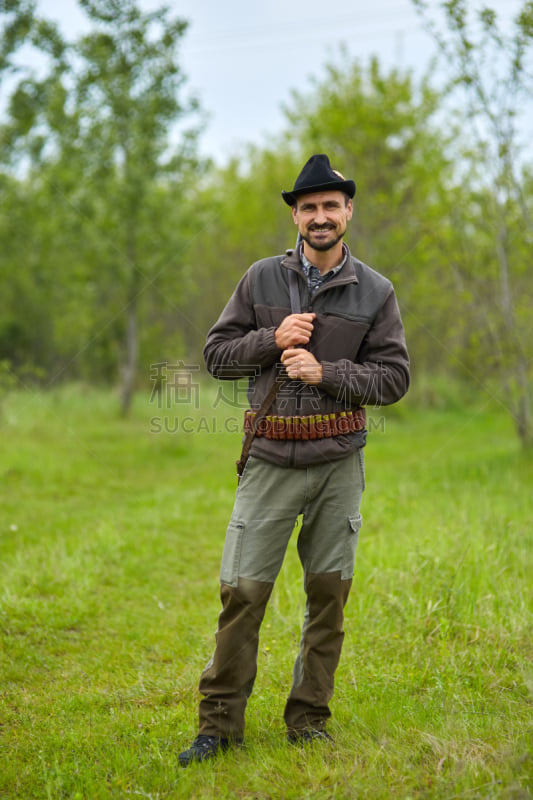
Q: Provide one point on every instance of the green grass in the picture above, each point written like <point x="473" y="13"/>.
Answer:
<point x="110" y="540"/>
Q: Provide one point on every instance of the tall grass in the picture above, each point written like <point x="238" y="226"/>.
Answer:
<point x="110" y="539"/>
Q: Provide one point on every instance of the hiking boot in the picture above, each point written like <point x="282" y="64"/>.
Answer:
<point x="308" y="736"/>
<point x="205" y="747"/>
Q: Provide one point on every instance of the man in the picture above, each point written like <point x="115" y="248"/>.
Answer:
<point x="346" y="348"/>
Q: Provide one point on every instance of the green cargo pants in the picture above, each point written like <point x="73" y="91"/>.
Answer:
<point x="268" y="501"/>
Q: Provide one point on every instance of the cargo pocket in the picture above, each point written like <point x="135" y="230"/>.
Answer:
<point x="231" y="556"/>
<point x="354" y="524"/>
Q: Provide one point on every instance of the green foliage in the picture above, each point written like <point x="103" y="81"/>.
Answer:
<point x="119" y="249"/>
<point x="493" y="219"/>
<point x="111" y="542"/>
<point x="19" y="25"/>
<point x="98" y="132"/>
<point x="128" y="94"/>
<point x="18" y="18"/>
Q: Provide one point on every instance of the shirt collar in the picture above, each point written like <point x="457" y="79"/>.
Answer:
<point x="308" y="266"/>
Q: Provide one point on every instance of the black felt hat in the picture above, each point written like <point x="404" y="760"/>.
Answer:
<point x="318" y="176"/>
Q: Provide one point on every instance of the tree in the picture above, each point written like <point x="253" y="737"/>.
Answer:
<point x="96" y="140"/>
<point x="24" y="332"/>
<point x="492" y="72"/>
<point x="127" y="97"/>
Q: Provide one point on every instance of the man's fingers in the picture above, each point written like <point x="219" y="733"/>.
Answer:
<point x="293" y="355"/>
<point x="295" y="329"/>
<point x="289" y="355"/>
<point x="302" y="365"/>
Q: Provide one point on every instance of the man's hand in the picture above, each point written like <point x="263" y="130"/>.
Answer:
<point x="295" y="329"/>
<point x="301" y="364"/>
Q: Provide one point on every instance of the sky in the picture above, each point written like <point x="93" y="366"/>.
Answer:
<point x="242" y="58"/>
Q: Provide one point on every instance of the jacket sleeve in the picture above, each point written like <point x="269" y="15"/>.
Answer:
<point x="235" y="347"/>
<point x="381" y="374"/>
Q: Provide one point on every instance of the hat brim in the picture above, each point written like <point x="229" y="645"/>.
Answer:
<point x="348" y="187"/>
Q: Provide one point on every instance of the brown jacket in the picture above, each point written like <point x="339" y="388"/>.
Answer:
<point x="358" y="337"/>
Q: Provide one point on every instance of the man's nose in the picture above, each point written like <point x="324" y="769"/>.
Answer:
<point x="320" y="216"/>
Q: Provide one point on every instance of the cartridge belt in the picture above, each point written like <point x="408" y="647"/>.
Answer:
<point x="314" y="426"/>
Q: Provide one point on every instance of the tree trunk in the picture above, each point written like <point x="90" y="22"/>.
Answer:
<point x="131" y="344"/>
<point x="129" y="367"/>
<point x="523" y="421"/>
<point x="521" y="403"/>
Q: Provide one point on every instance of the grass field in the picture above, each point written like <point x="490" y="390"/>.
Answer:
<point x="111" y="533"/>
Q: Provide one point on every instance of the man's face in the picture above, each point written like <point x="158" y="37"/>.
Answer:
<point x="322" y="218"/>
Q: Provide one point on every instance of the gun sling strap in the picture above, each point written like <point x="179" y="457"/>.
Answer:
<point x="281" y="380"/>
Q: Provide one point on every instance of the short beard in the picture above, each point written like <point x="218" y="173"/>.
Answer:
<point x="322" y="246"/>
